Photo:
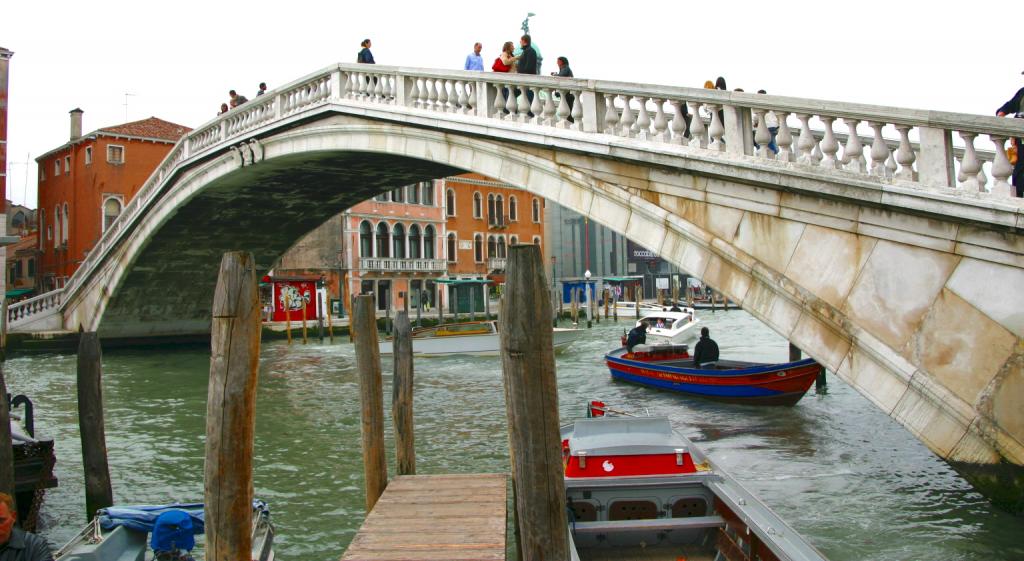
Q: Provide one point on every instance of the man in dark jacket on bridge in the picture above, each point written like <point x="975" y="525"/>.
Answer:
<point x="706" y="351"/>
<point x="637" y="336"/>
<point x="1015" y="107"/>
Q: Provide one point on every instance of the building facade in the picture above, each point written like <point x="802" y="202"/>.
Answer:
<point x="21" y="267"/>
<point x="84" y="184"/>
<point x="577" y="245"/>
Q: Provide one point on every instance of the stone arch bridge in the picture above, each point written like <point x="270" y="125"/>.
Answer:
<point x="889" y="250"/>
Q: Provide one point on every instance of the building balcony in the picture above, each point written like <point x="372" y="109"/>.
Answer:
<point x="497" y="222"/>
<point x="496" y="263"/>
<point x="399" y="265"/>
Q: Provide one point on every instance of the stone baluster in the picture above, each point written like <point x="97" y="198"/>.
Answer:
<point x="854" y="151"/>
<point x="643" y="120"/>
<point x="547" y="116"/>
<point x="627" y="121"/>
<point x="829" y="146"/>
<point x="563" y="111"/>
<point x="470" y="105"/>
<point x="969" y="164"/>
<point x="577" y="110"/>
<point x="510" y="103"/>
<point x="499" y="101"/>
<point x="879" y="150"/>
<point x="461" y="99"/>
<point x="442" y="96"/>
<point x="660" y="121"/>
<point x="784" y="140"/>
<point x="905" y="156"/>
<point x="523" y="104"/>
<point x="982" y="179"/>
<point x="611" y="115"/>
<point x="419" y="94"/>
<point x="1001" y="169"/>
<point x="890" y="165"/>
<point x="431" y="85"/>
<point x="762" y="135"/>
<point x="678" y="124"/>
<point x="389" y="87"/>
<point x="698" y="132"/>
<point x="378" y="90"/>
<point x="717" y="130"/>
<point x="806" y="142"/>
<point x="536" y="107"/>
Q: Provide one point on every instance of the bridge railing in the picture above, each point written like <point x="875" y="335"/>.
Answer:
<point x="929" y="150"/>
<point x="19" y="312"/>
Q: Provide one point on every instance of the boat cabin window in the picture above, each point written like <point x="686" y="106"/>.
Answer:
<point x="583" y="511"/>
<point x="689" y="506"/>
<point x="632" y="510"/>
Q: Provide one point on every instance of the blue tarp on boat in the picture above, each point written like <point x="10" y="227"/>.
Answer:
<point x="141" y="517"/>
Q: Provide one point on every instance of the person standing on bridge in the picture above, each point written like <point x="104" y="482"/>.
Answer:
<point x="365" y="56"/>
<point x="528" y="60"/>
<point x="473" y="60"/>
<point x="1015" y="107"/>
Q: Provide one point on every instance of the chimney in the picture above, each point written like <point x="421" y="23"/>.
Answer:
<point x="76" y="123"/>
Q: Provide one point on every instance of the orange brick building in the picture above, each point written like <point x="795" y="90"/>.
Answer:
<point x="85" y="183"/>
<point x="484" y="217"/>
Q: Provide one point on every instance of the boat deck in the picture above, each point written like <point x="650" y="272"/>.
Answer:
<point x="435" y="517"/>
<point x="649" y="553"/>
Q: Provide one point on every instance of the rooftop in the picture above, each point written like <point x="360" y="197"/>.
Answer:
<point x="149" y="128"/>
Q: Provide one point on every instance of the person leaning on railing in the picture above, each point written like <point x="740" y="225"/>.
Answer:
<point x="1015" y="107"/>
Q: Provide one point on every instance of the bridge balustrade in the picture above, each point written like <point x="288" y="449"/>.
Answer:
<point x="19" y="312"/>
<point x="402" y="265"/>
<point x="927" y="150"/>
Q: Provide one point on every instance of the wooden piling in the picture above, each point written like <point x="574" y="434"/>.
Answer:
<point x="6" y="446"/>
<point x="440" y="306"/>
<point x="98" y="491"/>
<point x="675" y="290"/>
<point x="401" y="397"/>
<point x="3" y="330"/>
<point x="615" y="306"/>
<point x="636" y="305"/>
<point x="288" y="318"/>
<point x="419" y="306"/>
<point x="231" y="409"/>
<point x="531" y="398"/>
<point x="304" y="339"/>
<point x="330" y="324"/>
<point x="371" y="396"/>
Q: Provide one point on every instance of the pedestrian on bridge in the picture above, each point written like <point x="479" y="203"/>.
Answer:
<point x="365" y="56"/>
<point x="473" y="60"/>
<point x="1015" y="108"/>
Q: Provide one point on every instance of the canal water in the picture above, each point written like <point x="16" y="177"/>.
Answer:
<point x="841" y="472"/>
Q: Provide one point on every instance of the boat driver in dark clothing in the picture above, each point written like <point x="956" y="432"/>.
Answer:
<point x="637" y="336"/>
<point x="17" y="544"/>
<point x="706" y="351"/>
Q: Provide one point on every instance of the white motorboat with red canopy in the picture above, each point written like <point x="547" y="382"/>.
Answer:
<point x="638" y="489"/>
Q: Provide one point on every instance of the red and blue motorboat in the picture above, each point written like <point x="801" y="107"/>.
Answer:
<point x="670" y="367"/>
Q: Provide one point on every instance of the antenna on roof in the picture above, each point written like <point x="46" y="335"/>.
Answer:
<point x="126" y="95"/>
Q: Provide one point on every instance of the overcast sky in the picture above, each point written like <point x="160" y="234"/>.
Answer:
<point x="179" y="59"/>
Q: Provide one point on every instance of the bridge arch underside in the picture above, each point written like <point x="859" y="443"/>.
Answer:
<point x="892" y="303"/>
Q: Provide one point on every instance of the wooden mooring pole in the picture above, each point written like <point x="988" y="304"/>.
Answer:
<point x="305" y="340"/>
<point x="401" y="397"/>
<point x="6" y="447"/>
<point x="371" y="396"/>
<point x="531" y="398"/>
<point x="98" y="491"/>
<point x="288" y="318"/>
<point x="330" y="324"/>
<point x="231" y="409"/>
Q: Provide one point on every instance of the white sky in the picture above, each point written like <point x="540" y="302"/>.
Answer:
<point x="180" y="58"/>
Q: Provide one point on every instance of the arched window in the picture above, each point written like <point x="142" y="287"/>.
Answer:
<point x="478" y="205"/>
<point x="492" y="247"/>
<point x="514" y="240"/>
<point x="428" y="192"/>
<point x="415" y="247"/>
<point x="513" y="209"/>
<point x="490" y="208"/>
<point x="56" y="226"/>
<point x="536" y="240"/>
<point x="453" y="255"/>
<point x="398" y="240"/>
<point x="365" y="239"/>
<point x="478" y="248"/>
<point x="64" y="229"/>
<point x="428" y="242"/>
<point x="449" y="201"/>
<point x="499" y="206"/>
<point x="382" y="240"/>
<point x="111" y="210"/>
<point x="536" y="210"/>
<point x="502" y="249"/>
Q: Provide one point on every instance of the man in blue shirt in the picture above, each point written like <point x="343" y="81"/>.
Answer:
<point x="473" y="60"/>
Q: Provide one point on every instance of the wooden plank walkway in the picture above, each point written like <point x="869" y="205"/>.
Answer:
<point x="435" y="518"/>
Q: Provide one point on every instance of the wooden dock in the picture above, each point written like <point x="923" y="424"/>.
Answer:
<point x="435" y="517"/>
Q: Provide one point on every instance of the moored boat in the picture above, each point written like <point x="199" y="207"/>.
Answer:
<point x="34" y="460"/>
<point x="120" y="533"/>
<point x="671" y="367"/>
<point x="638" y="489"/>
<point x="477" y="338"/>
<point x="672" y="327"/>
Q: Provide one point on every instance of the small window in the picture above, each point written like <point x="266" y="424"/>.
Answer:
<point x="536" y="240"/>
<point x="414" y="193"/>
<point x="42" y="173"/>
<point x="536" y="210"/>
<point x="428" y="192"/>
<point x="514" y="240"/>
<point x="67" y="164"/>
<point x="478" y="205"/>
<point x="31" y="268"/>
<point x="111" y="210"/>
<point x="513" y="209"/>
<point x="115" y="154"/>
<point x="453" y="254"/>
<point x="450" y="202"/>
<point x="56" y="168"/>
<point x="398" y="195"/>
<point x="88" y="155"/>
<point x="478" y="248"/>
